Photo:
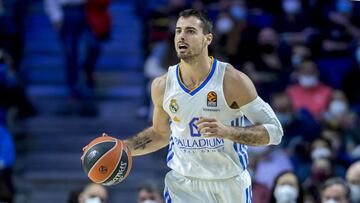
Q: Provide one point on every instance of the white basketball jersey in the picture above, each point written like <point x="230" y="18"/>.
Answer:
<point x="190" y="154"/>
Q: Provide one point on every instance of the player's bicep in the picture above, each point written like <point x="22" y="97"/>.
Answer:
<point x="160" y="117"/>
<point x="239" y="89"/>
<point x="161" y="121"/>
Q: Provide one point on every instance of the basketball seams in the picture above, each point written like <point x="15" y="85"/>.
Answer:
<point x="93" y="146"/>
<point x="104" y="155"/>
<point x="128" y="154"/>
<point x="112" y="162"/>
<point x="116" y="166"/>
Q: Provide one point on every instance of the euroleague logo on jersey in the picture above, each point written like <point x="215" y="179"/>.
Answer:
<point x="212" y="99"/>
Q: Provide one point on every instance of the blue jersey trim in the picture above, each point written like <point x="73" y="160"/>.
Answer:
<point x="194" y="91"/>
<point x="167" y="197"/>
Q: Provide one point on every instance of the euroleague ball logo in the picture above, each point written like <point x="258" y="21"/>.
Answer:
<point x="103" y="169"/>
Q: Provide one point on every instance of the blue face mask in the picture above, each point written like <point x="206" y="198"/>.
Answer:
<point x="343" y="6"/>
<point x="238" y="12"/>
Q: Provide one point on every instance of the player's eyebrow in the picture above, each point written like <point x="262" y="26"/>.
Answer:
<point x="186" y="28"/>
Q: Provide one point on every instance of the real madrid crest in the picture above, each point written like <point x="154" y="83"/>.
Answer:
<point x="174" y="107"/>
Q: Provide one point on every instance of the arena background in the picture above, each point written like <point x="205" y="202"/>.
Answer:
<point x="49" y="130"/>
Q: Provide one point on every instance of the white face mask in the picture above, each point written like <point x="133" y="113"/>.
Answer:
<point x="331" y="201"/>
<point x="308" y="80"/>
<point x="224" y="25"/>
<point x="286" y="194"/>
<point x="319" y="153"/>
<point x="338" y="107"/>
<point x="93" y="200"/>
<point x="149" y="201"/>
<point x="291" y="6"/>
<point x="355" y="192"/>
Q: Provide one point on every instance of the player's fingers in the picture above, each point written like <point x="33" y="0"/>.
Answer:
<point x="206" y="124"/>
<point x="207" y="130"/>
<point x="202" y="120"/>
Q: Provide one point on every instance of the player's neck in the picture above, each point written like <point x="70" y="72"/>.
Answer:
<point x="195" y="70"/>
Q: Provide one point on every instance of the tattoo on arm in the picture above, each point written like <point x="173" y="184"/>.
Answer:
<point x="255" y="135"/>
<point x="141" y="142"/>
<point x="234" y="105"/>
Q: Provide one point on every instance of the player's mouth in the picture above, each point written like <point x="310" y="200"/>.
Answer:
<point x="182" y="47"/>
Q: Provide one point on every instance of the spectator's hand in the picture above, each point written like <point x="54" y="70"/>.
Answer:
<point x="211" y="127"/>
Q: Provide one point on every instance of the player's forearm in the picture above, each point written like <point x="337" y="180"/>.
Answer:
<point x="255" y="135"/>
<point x="146" y="142"/>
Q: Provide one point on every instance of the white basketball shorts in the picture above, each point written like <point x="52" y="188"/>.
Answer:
<point x="181" y="189"/>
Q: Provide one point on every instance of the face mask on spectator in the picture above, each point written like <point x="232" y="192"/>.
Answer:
<point x="291" y="6"/>
<point x="149" y="201"/>
<point x="93" y="200"/>
<point x="238" y="12"/>
<point x="296" y="60"/>
<point x="355" y="192"/>
<point x="343" y="6"/>
<point x="321" y="152"/>
<point x="285" y="194"/>
<point x="331" y="201"/>
<point x="338" y="107"/>
<point x="308" y="80"/>
<point x="267" y="48"/>
<point x="224" y="25"/>
<point x="319" y="175"/>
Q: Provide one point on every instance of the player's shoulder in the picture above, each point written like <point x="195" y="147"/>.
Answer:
<point x="235" y="80"/>
<point x="234" y="76"/>
<point x="158" y="85"/>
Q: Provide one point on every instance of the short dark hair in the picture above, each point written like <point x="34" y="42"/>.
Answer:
<point x="202" y="16"/>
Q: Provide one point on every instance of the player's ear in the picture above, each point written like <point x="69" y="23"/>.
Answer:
<point x="209" y="38"/>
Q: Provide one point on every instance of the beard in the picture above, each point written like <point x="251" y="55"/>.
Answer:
<point x="189" y="54"/>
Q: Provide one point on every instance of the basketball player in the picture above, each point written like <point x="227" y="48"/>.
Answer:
<point x="197" y="106"/>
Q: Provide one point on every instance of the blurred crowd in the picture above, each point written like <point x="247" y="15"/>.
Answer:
<point x="304" y="59"/>
<point x="302" y="55"/>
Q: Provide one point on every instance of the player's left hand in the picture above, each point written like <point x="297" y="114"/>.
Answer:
<point x="211" y="127"/>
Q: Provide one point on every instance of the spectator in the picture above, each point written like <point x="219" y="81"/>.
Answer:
<point x="93" y="193"/>
<point x="149" y="193"/>
<point x="300" y="53"/>
<point x="70" y="20"/>
<point x="340" y="29"/>
<point x="269" y="67"/>
<point x="353" y="178"/>
<point x="335" y="190"/>
<point x="309" y="92"/>
<point x="298" y="125"/>
<point x="351" y="82"/>
<point x="270" y="161"/>
<point x="321" y="170"/>
<point x="287" y="189"/>
<point x="292" y="24"/>
<point x="12" y="93"/>
<point x="7" y="158"/>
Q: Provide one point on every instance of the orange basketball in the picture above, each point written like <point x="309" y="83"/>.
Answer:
<point x="106" y="160"/>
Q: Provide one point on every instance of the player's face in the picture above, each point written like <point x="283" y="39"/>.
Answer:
<point x="190" y="41"/>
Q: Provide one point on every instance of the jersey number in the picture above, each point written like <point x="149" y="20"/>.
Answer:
<point x="193" y="128"/>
